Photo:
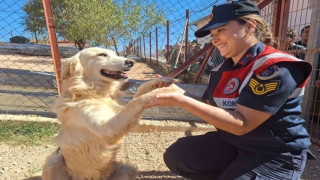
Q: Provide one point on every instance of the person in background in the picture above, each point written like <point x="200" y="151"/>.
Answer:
<point x="290" y="45"/>
<point x="253" y="100"/>
<point x="304" y="36"/>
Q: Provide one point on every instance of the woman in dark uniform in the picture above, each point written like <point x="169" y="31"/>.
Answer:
<point x="253" y="99"/>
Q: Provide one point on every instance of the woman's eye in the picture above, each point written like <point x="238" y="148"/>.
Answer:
<point x="102" y="54"/>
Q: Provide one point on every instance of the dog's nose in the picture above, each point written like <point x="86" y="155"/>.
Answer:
<point x="129" y="62"/>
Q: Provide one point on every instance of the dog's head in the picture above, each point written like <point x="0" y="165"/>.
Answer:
<point x="94" y="66"/>
<point x="97" y="64"/>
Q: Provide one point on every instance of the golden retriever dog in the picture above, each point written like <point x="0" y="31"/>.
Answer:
<point x="93" y="119"/>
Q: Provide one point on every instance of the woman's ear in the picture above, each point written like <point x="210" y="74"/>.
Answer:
<point x="71" y="67"/>
<point x="252" y="25"/>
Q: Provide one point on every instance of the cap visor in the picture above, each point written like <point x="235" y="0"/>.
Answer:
<point x="205" y="30"/>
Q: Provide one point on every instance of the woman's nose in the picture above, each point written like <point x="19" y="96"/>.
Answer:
<point x="214" y="40"/>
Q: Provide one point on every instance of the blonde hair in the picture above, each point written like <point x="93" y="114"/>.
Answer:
<point x="291" y="32"/>
<point x="263" y="31"/>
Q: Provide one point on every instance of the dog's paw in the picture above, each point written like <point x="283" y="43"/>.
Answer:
<point x="124" y="172"/>
<point x="153" y="84"/>
<point x="165" y="80"/>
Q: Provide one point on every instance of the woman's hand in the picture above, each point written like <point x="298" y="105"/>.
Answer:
<point x="167" y="99"/>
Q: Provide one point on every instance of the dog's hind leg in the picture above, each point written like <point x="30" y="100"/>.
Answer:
<point x="54" y="168"/>
<point x="123" y="172"/>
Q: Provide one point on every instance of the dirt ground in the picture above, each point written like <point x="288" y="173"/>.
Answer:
<point x="144" y="150"/>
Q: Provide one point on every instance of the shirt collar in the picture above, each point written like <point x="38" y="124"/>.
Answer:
<point x="249" y="55"/>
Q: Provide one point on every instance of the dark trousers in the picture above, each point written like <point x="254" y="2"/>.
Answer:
<point x="208" y="157"/>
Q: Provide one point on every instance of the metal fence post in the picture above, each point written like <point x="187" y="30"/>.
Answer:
<point x="168" y="43"/>
<point x="144" y="48"/>
<point x="150" y="45"/>
<point x="312" y="86"/>
<point x="157" y="53"/>
<point x="187" y="34"/>
<point x="140" y="52"/>
<point x="53" y="42"/>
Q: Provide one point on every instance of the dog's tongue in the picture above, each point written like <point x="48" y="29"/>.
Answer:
<point x="123" y="74"/>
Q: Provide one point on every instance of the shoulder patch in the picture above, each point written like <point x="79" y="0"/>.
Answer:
<point x="263" y="88"/>
<point x="268" y="73"/>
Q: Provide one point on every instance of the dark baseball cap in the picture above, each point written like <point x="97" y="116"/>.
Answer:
<point x="223" y="13"/>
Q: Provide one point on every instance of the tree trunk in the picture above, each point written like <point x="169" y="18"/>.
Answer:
<point x="36" y="37"/>
<point x="80" y="43"/>
<point x="106" y="44"/>
<point x="115" y="45"/>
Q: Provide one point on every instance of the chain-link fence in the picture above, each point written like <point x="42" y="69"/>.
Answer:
<point x="159" y="46"/>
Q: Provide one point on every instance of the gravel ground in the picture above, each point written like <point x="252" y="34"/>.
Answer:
<point x="144" y="150"/>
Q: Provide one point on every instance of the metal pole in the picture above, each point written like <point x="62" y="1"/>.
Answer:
<point x="53" y="42"/>
<point x="264" y="4"/>
<point x="185" y="65"/>
<point x="186" y="41"/>
<point x="285" y="10"/>
<point x="157" y="46"/>
<point x="204" y="63"/>
<point x="144" y="48"/>
<point x="150" y="45"/>
<point x="280" y="21"/>
<point x="168" y="43"/>
<point x="140" y="47"/>
<point x="312" y="87"/>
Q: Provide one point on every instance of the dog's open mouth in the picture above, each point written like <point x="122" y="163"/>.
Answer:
<point x="114" y="74"/>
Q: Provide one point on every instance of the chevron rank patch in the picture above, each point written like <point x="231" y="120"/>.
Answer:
<point x="263" y="88"/>
<point x="268" y="73"/>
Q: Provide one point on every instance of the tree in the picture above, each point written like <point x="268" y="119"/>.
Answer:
<point x="82" y="21"/>
<point x="34" y="20"/>
<point x="137" y="18"/>
<point x="101" y="22"/>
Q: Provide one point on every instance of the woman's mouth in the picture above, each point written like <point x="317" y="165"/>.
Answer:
<point x="221" y="45"/>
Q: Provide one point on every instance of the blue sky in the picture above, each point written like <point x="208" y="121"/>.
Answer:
<point x="11" y="13"/>
<point x="10" y="19"/>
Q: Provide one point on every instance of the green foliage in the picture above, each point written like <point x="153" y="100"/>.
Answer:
<point x="139" y="17"/>
<point x="34" y="21"/>
<point x="98" y="22"/>
<point x="27" y="133"/>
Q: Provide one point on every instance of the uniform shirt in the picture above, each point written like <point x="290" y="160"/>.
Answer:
<point x="267" y="80"/>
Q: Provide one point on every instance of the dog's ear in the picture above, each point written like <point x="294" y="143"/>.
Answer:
<point x="71" y="67"/>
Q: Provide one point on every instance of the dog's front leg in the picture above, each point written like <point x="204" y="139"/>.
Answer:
<point x="128" y="117"/>
<point x="148" y="85"/>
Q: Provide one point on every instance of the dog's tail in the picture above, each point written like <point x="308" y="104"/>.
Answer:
<point x="124" y="172"/>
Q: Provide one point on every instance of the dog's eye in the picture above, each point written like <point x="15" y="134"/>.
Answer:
<point x="103" y="54"/>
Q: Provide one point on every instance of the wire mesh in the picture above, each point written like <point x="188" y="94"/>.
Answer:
<point x="27" y="76"/>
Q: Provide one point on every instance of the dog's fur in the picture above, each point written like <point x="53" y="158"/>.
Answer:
<point x="93" y="121"/>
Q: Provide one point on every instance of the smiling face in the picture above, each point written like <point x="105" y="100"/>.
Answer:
<point x="233" y="39"/>
<point x="103" y="64"/>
